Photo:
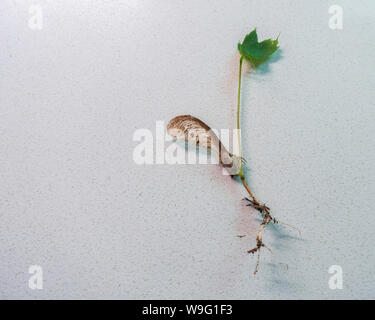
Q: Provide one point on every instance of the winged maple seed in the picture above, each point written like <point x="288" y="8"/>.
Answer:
<point x="195" y="131"/>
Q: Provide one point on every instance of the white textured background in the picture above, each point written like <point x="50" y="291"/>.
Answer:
<point x="73" y="201"/>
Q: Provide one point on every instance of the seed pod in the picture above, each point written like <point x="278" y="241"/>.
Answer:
<point x="195" y="131"/>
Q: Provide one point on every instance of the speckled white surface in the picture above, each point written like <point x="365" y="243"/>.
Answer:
<point x="73" y="201"/>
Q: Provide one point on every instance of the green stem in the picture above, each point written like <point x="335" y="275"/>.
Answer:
<point x="241" y="174"/>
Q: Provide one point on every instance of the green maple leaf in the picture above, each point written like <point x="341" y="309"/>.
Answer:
<point x="257" y="52"/>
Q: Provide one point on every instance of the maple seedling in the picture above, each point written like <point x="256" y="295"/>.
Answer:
<point x="194" y="130"/>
